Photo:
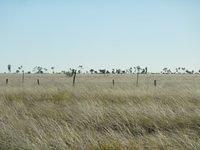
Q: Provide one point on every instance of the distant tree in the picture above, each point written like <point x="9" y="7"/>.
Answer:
<point x="19" y="69"/>
<point x="169" y="71"/>
<point x="74" y="71"/>
<point x="183" y="69"/>
<point x="79" y="71"/>
<point x="9" y="68"/>
<point x="130" y="70"/>
<point x="102" y="71"/>
<point x="113" y="71"/>
<point x="67" y="73"/>
<point x="146" y="70"/>
<point x="138" y="69"/>
<point x="179" y="69"/>
<point x="52" y="68"/>
<point x="107" y="72"/>
<point x="91" y="71"/>
<point x="190" y="72"/>
<point x="79" y="68"/>
<point x="39" y="70"/>
<point x="118" y="71"/>
<point x="165" y="70"/>
<point x="123" y="72"/>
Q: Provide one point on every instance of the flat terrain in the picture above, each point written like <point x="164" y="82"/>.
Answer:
<point x="97" y="115"/>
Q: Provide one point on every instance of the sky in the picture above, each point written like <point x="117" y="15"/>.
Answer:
<point x="99" y="34"/>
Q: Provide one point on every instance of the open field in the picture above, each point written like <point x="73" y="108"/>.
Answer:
<point x="96" y="115"/>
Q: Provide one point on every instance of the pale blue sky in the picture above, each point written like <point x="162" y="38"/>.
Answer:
<point x="100" y="34"/>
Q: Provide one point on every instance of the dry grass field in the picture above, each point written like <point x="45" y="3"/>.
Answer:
<point x="96" y="115"/>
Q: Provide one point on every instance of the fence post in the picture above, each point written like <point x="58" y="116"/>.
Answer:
<point x="113" y="82"/>
<point x="155" y="83"/>
<point x="74" y="78"/>
<point x="6" y="81"/>
<point x="38" y="81"/>
<point x="137" y="79"/>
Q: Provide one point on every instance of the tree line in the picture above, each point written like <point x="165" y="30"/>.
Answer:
<point x="78" y="70"/>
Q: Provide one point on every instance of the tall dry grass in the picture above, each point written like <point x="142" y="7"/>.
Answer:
<point x="96" y="115"/>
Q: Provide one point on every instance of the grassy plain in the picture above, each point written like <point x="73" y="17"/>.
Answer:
<point x="96" y="115"/>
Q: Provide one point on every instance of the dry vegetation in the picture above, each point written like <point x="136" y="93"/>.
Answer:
<point x="96" y="115"/>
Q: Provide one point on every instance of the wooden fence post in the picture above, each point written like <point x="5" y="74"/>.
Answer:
<point x="74" y="78"/>
<point x="38" y="81"/>
<point x="137" y="79"/>
<point x="6" y="81"/>
<point x="113" y="82"/>
<point x="155" y="83"/>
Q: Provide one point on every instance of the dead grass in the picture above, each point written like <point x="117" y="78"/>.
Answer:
<point x="95" y="115"/>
